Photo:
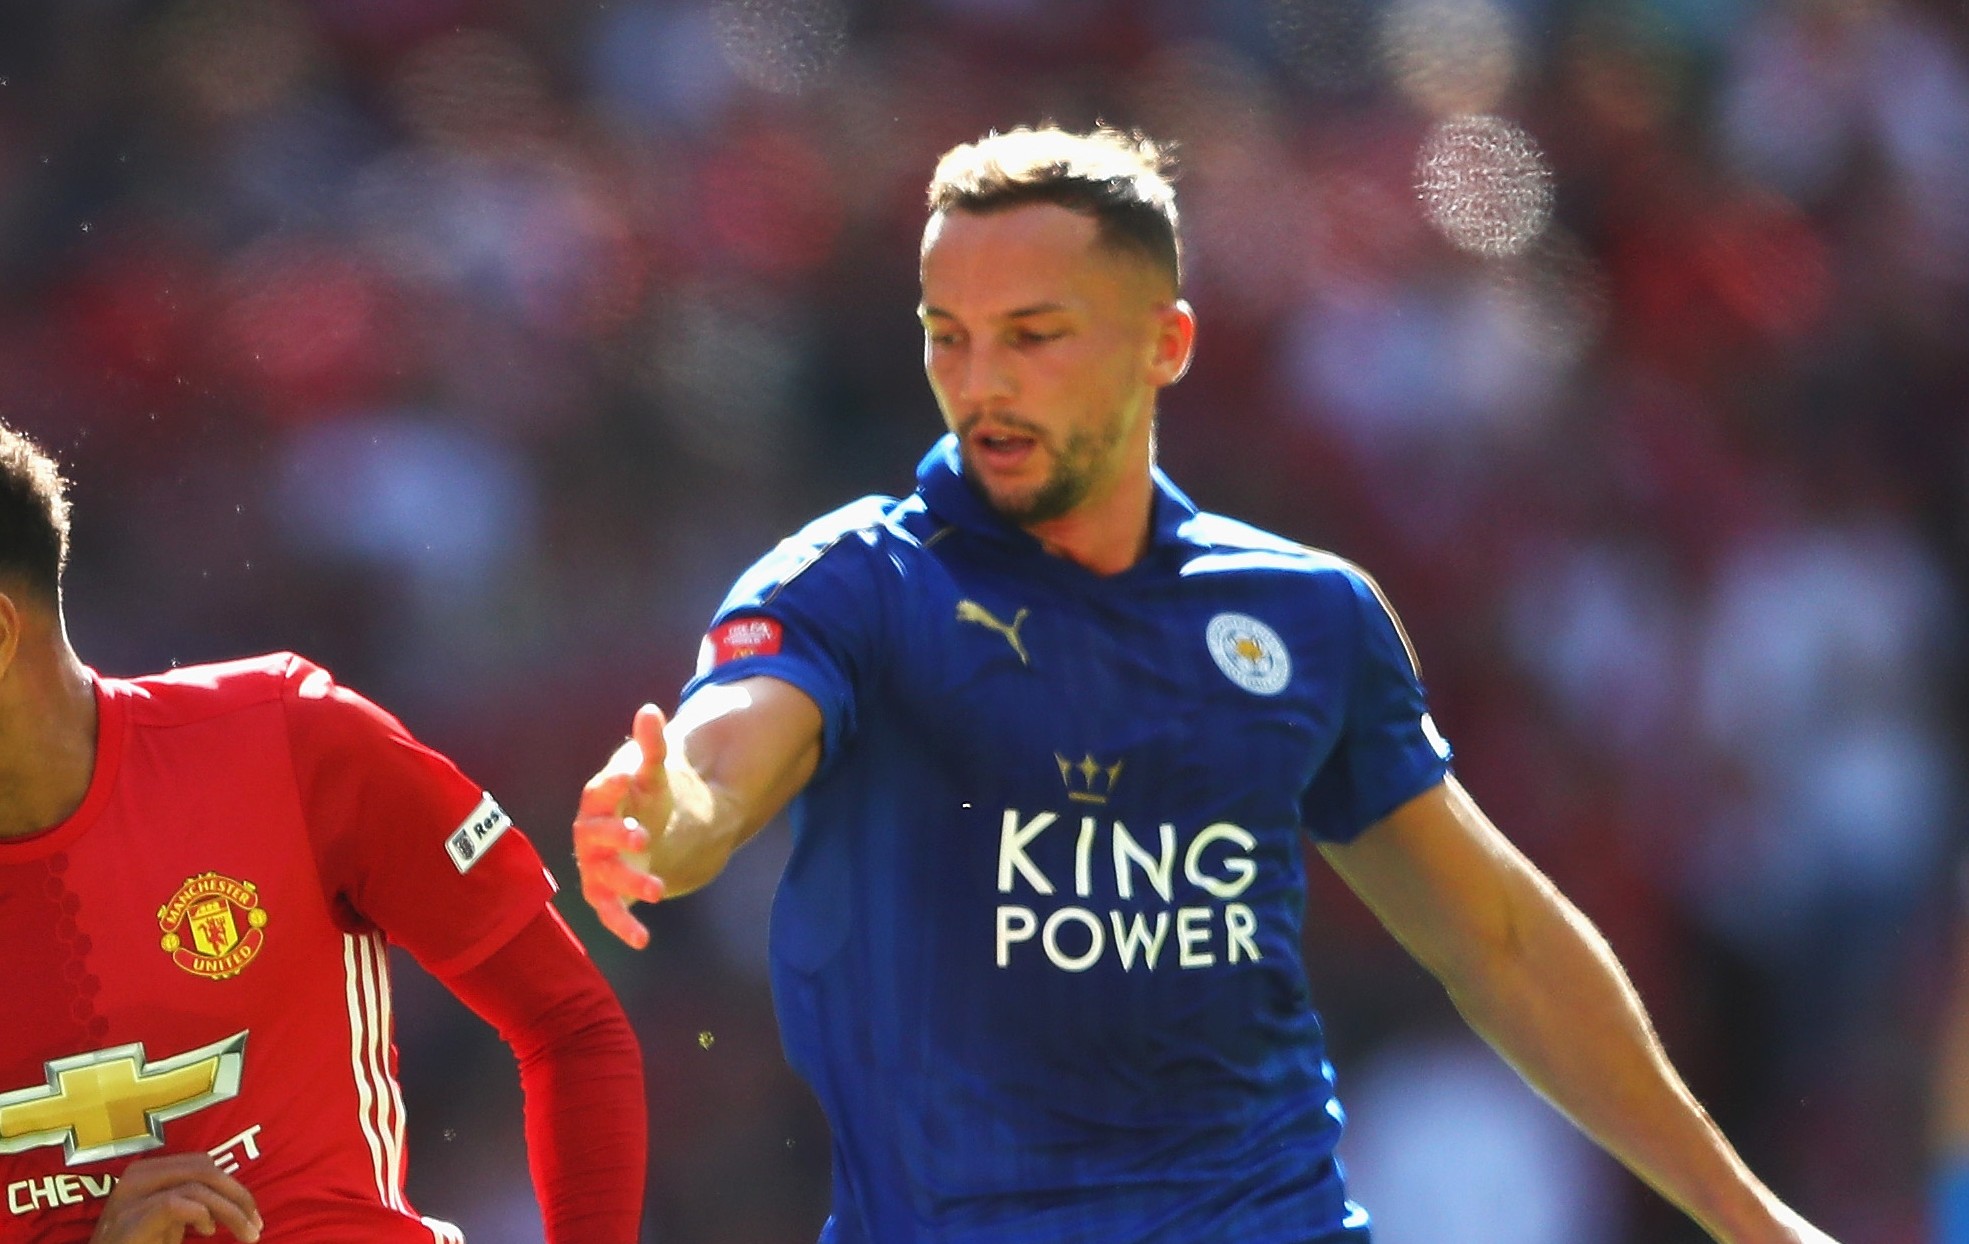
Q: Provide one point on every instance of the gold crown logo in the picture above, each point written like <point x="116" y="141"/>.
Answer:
<point x="1088" y="780"/>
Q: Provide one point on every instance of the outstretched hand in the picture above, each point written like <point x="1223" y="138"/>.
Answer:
<point x="652" y="825"/>
<point x="621" y="806"/>
<point x="159" y="1200"/>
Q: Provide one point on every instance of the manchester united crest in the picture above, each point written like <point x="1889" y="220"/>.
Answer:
<point x="213" y="926"/>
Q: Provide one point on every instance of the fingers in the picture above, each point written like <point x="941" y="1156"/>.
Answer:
<point x="615" y="917"/>
<point x="174" y="1212"/>
<point x="157" y="1200"/>
<point x="635" y="765"/>
<point x="238" y="1217"/>
<point x="613" y="911"/>
<point x="606" y="837"/>
<point x="147" y="1175"/>
<point x="169" y="1214"/>
<point x="607" y="874"/>
<point x="646" y="731"/>
<point x="609" y="883"/>
<point x="605" y="791"/>
<point x="201" y="1211"/>
<point x="634" y="777"/>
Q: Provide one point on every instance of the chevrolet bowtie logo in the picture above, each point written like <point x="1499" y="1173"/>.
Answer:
<point x="1087" y="779"/>
<point x="972" y="611"/>
<point x="113" y="1103"/>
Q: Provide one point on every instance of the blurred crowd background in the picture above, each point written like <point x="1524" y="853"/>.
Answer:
<point x="473" y="346"/>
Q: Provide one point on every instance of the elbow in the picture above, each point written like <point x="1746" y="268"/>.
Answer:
<point x="588" y="1027"/>
<point x="1497" y="949"/>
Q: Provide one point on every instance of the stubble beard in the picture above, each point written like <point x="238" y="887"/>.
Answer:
<point x="1076" y="470"/>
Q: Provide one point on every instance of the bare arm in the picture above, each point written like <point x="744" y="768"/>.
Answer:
<point x="1536" y="980"/>
<point x="673" y="803"/>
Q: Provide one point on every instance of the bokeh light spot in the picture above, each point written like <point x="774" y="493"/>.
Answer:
<point x="783" y="46"/>
<point x="1485" y="184"/>
<point x="1450" y="56"/>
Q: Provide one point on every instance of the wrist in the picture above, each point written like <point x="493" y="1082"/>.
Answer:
<point x="1748" y="1213"/>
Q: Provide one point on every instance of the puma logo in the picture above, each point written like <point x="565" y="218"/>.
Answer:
<point x="972" y="611"/>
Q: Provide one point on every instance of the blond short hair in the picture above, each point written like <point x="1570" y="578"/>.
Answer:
<point x="1122" y="180"/>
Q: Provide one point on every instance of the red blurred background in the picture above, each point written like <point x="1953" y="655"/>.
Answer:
<point x="473" y="346"/>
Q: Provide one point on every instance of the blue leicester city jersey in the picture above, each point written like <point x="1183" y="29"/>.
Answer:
<point x="1037" y="946"/>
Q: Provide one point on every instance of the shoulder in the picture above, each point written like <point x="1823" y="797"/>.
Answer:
<point x="1227" y="546"/>
<point x="869" y="519"/>
<point x="310" y="701"/>
<point x="192" y="693"/>
<point x="316" y="711"/>
<point x="840" y="538"/>
<point x="1329" y="582"/>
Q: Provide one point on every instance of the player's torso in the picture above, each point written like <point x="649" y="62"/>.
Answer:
<point x="1130" y="749"/>
<point x="183" y="985"/>
<point x="1069" y="823"/>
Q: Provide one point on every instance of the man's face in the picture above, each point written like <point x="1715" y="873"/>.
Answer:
<point x="1045" y="351"/>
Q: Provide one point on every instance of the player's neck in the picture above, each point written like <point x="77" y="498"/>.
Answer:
<point x="47" y="740"/>
<point x="1107" y="532"/>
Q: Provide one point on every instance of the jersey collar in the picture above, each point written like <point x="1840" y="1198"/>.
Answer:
<point x="940" y="480"/>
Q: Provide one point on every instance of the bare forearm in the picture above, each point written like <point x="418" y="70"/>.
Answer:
<point x="1534" y="977"/>
<point x="667" y="810"/>
<point x="1557" y="1005"/>
<point x="736" y="755"/>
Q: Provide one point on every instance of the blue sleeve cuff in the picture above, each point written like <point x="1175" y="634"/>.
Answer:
<point x="1951" y="1202"/>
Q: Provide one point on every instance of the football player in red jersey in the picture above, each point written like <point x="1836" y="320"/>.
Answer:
<point x="200" y="872"/>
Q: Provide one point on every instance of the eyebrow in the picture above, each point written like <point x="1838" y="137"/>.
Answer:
<point x="1038" y="308"/>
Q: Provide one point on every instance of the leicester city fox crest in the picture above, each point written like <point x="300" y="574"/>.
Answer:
<point x="1249" y="653"/>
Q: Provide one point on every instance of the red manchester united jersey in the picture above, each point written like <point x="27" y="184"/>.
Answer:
<point x="195" y="959"/>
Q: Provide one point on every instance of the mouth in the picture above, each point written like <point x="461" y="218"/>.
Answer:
<point x="1000" y="449"/>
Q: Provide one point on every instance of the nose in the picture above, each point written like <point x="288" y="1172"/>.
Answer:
<point x="981" y="379"/>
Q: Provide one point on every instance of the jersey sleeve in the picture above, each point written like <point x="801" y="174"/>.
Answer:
<point x="809" y="613"/>
<point x="581" y="1070"/>
<point x="1389" y="750"/>
<point x="405" y="842"/>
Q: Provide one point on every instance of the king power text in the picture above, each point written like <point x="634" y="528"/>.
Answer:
<point x="1109" y="860"/>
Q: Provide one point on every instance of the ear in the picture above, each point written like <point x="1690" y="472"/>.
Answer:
<point x="1175" y="343"/>
<point x="10" y="631"/>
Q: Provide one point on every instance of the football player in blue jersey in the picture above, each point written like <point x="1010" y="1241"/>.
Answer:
<point x="1049" y="738"/>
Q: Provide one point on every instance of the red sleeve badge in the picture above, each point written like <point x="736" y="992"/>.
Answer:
<point x="743" y="637"/>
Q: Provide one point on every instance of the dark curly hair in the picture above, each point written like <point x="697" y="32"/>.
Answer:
<point x="33" y="514"/>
